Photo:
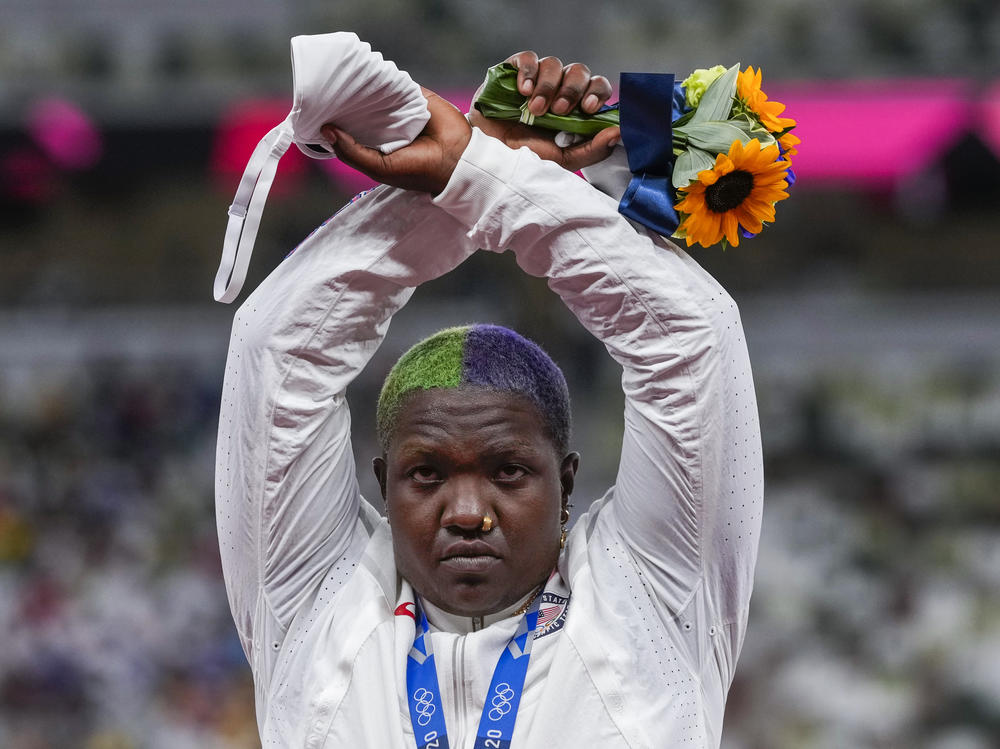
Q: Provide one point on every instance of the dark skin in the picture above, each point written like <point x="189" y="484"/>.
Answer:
<point x="457" y="456"/>
<point x="427" y="163"/>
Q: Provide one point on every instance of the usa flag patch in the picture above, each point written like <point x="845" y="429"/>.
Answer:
<point x="551" y="614"/>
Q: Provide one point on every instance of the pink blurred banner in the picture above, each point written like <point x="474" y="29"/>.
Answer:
<point x="65" y="133"/>
<point x="869" y="134"/>
<point x="988" y="117"/>
<point x="239" y="131"/>
<point x="353" y="181"/>
<point x="245" y="123"/>
<point x="874" y="133"/>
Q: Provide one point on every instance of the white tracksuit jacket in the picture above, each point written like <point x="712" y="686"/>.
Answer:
<point x="657" y="573"/>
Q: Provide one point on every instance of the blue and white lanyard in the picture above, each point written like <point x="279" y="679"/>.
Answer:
<point x="496" y="725"/>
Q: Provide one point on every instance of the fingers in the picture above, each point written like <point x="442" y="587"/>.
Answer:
<point x="551" y="86"/>
<point x="527" y="70"/>
<point x="426" y="164"/>
<point x="351" y="152"/>
<point x="541" y="80"/>
<point x="401" y="168"/>
<point x="547" y="85"/>
<point x="581" y="89"/>
<point x="597" y="94"/>
<point x="591" y="151"/>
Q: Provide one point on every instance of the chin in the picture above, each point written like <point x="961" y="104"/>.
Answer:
<point x="477" y="599"/>
<point x="472" y="601"/>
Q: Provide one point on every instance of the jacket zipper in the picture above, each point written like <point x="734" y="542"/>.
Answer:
<point x="458" y="688"/>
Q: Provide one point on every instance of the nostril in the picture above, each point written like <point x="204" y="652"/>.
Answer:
<point x="464" y="533"/>
<point x="471" y="524"/>
<point x="467" y="517"/>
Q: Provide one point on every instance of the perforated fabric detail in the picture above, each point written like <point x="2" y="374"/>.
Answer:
<point x="232" y="523"/>
<point x="282" y="714"/>
<point x="669" y="529"/>
<point x="740" y="508"/>
<point x="338" y="576"/>
<point x="660" y="658"/>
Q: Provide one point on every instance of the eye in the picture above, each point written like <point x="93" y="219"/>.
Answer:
<point x="425" y="475"/>
<point x="511" y="472"/>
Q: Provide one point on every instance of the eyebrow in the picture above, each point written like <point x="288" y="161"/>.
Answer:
<point x="416" y="447"/>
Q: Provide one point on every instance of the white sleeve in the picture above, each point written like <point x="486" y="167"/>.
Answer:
<point x="287" y="499"/>
<point x="689" y="490"/>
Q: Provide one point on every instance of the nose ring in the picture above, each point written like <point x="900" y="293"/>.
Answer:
<point x="487" y="524"/>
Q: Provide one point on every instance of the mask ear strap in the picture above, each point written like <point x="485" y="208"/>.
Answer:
<point x="246" y="210"/>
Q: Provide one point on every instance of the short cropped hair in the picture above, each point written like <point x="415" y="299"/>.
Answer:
<point x="490" y="357"/>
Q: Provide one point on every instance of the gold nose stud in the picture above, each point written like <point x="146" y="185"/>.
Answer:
<point x="487" y="524"/>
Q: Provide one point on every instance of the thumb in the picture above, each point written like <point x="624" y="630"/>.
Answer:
<point x="591" y="151"/>
<point x="370" y="161"/>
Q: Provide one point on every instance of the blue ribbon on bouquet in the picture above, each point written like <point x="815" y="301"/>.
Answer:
<point x="648" y="104"/>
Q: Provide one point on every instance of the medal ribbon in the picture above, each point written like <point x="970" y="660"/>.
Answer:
<point x="648" y="104"/>
<point x="496" y="725"/>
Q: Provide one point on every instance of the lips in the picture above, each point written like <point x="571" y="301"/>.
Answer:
<point x="469" y="550"/>
<point x="471" y="556"/>
<point x="475" y="565"/>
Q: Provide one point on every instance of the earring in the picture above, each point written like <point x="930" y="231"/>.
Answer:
<point x="563" y="519"/>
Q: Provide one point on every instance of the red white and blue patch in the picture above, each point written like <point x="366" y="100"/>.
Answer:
<point x="551" y="614"/>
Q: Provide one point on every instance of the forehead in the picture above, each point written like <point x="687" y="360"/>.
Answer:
<point x="470" y="417"/>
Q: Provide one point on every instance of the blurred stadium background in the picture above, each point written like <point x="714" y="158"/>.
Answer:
<point x="871" y="307"/>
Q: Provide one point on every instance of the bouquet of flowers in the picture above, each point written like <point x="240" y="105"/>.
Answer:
<point x="725" y="153"/>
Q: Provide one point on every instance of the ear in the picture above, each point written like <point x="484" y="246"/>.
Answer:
<point x="567" y="475"/>
<point x="380" y="467"/>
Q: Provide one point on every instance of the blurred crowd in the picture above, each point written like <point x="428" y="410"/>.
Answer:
<point x="876" y="614"/>
<point x="117" y="631"/>
<point x="192" y="55"/>
<point x="875" y="621"/>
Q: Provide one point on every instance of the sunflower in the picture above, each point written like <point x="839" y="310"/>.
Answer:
<point x="788" y="141"/>
<point x="748" y="89"/>
<point x="739" y="192"/>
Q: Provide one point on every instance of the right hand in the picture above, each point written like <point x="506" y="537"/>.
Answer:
<point x="552" y="86"/>
<point x="558" y="88"/>
<point x="425" y="164"/>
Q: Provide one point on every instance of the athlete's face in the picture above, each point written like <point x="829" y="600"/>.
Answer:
<point x="460" y="455"/>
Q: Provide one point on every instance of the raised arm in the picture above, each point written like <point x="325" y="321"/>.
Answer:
<point x="288" y="506"/>
<point x="689" y="490"/>
<point x="688" y="497"/>
<point x="286" y="493"/>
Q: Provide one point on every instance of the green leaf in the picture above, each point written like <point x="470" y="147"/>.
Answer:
<point x="714" y="136"/>
<point x="747" y="124"/>
<point x="578" y="122"/>
<point x="499" y="99"/>
<point x="499" y="92"/>
<point x="718" y="137"/>
<point x="754" y="129"/>
<point x="717" y="101"/>
<point x="688" y="165"/>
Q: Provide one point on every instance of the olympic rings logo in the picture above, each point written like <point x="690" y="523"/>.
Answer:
<point x="424" y="706"/>
<point x="502" y="696"/>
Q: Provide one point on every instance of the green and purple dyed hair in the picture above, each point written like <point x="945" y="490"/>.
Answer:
<point x="478" y="356"/>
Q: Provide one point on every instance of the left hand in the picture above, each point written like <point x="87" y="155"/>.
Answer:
<point x="552" y="86"/>
<point x="425" y="164"/>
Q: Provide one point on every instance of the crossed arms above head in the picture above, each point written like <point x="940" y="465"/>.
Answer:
<point x="429" y="161"/>
<point x="688" y="493"/>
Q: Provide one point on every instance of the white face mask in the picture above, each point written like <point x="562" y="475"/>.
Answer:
<point x="336" y="78"/>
